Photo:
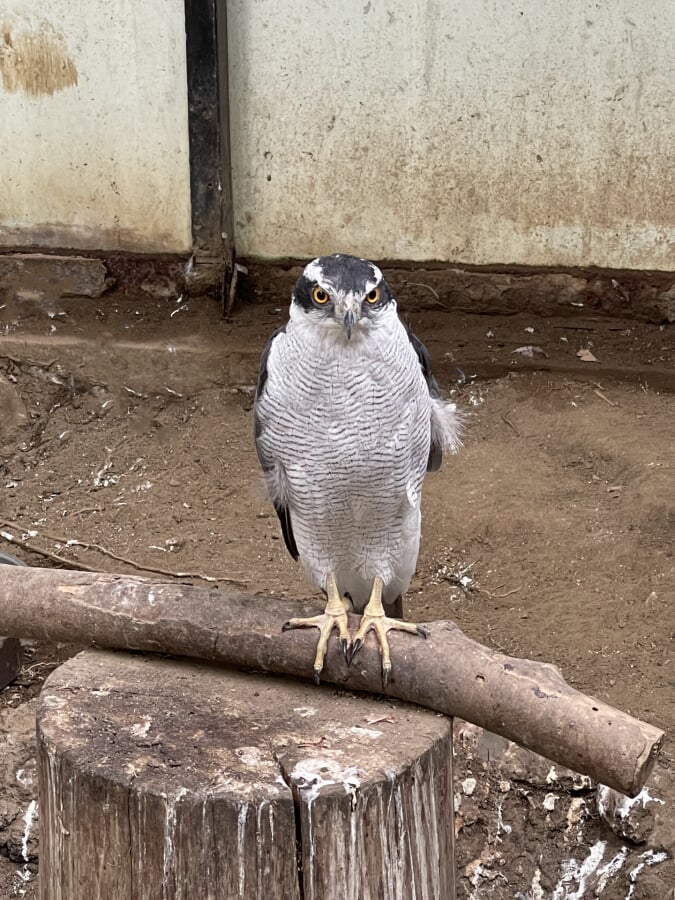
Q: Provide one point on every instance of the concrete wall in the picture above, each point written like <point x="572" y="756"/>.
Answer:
<point x="94" y="125"/>
<point x="479" y="131"/>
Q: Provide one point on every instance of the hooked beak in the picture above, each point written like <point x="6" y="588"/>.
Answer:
<point x="347" y="311"/>
<point x="349" y="322"/>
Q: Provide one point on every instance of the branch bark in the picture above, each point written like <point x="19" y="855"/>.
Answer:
<point x="525" y="701"/>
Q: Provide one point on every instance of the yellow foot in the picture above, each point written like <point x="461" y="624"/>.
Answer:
<point x="334" y="616"/>
<point x="374" y="619"/>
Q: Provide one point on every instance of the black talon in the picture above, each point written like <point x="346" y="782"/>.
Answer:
<point x="356" y="646"/>
<point x="286" y="626"/>
<point x="422" y="631"/>
<point x="385" y="678"/>
<point x="317" y="676"/>
<point x="344" y="643"/>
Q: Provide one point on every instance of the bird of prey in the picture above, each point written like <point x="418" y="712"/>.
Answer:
<point x="348" y="418"/>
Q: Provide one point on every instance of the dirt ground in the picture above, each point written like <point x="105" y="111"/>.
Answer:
<point x="127" y="424"/>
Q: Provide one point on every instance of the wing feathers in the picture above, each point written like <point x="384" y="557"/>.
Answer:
<point x="446" y="422"/>
<point x="273" y="474"/>
<point x="286" y="529"/>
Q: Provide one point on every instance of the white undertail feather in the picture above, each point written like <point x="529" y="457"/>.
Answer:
<point x="446" y="425"/>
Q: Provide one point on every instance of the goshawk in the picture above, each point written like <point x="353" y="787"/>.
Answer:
<point x="348" y="418"/>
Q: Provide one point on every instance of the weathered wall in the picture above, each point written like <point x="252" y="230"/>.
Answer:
<point x="536" y="133"/>
<point x="94" y="125"/>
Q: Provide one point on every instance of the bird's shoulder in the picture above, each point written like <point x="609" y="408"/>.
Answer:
<point x="424" y="359"/>
<point x="264" y="359"/>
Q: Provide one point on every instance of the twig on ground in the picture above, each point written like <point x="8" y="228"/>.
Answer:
<point x="29" y="670"/>
<point x="31" y="548"/>
<point x="86" y="509"/>
<point x="508" y="421"/>
<point x="88" y="545"/>
<point x="499" y="596"/>
<point x="133" y="393"/>
<point x="28" y="362"/>
<point x="602" y="396"/>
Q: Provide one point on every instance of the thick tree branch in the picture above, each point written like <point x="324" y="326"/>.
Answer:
<point x="525" y="701"/>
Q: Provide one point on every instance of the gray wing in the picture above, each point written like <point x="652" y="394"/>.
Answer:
<point x="282" y="510"/>
<point x="436" y="448"/>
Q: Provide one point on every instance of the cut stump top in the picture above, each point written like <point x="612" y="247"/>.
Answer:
<point x="171" y="725"/>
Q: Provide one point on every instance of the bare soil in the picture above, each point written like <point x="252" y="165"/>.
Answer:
<point x="126" y="427"/>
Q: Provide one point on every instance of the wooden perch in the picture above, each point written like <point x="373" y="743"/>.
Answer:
<point x="525" y="701"/>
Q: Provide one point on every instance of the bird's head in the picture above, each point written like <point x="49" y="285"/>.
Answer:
<point x="341" y="291"/>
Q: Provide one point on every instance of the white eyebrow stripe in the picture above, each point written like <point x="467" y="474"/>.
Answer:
<point x="314" y="271"/>
<point x="377" y="274"/>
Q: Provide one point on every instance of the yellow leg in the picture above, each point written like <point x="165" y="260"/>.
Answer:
<point x="375" y="620"/>
<point x="333" y="616"/>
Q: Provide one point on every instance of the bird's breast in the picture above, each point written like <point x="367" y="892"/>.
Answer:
<point x="360" y="409"/>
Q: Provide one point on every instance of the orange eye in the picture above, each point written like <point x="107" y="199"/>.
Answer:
<point x="319" y="295"/>
<point x="373" y="296"/>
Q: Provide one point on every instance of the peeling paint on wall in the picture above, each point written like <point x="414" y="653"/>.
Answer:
<point x="94" y="144"/>
<point x="34" y="57"/>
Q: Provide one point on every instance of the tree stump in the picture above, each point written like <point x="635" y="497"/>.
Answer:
<point x="162" y="779"/>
